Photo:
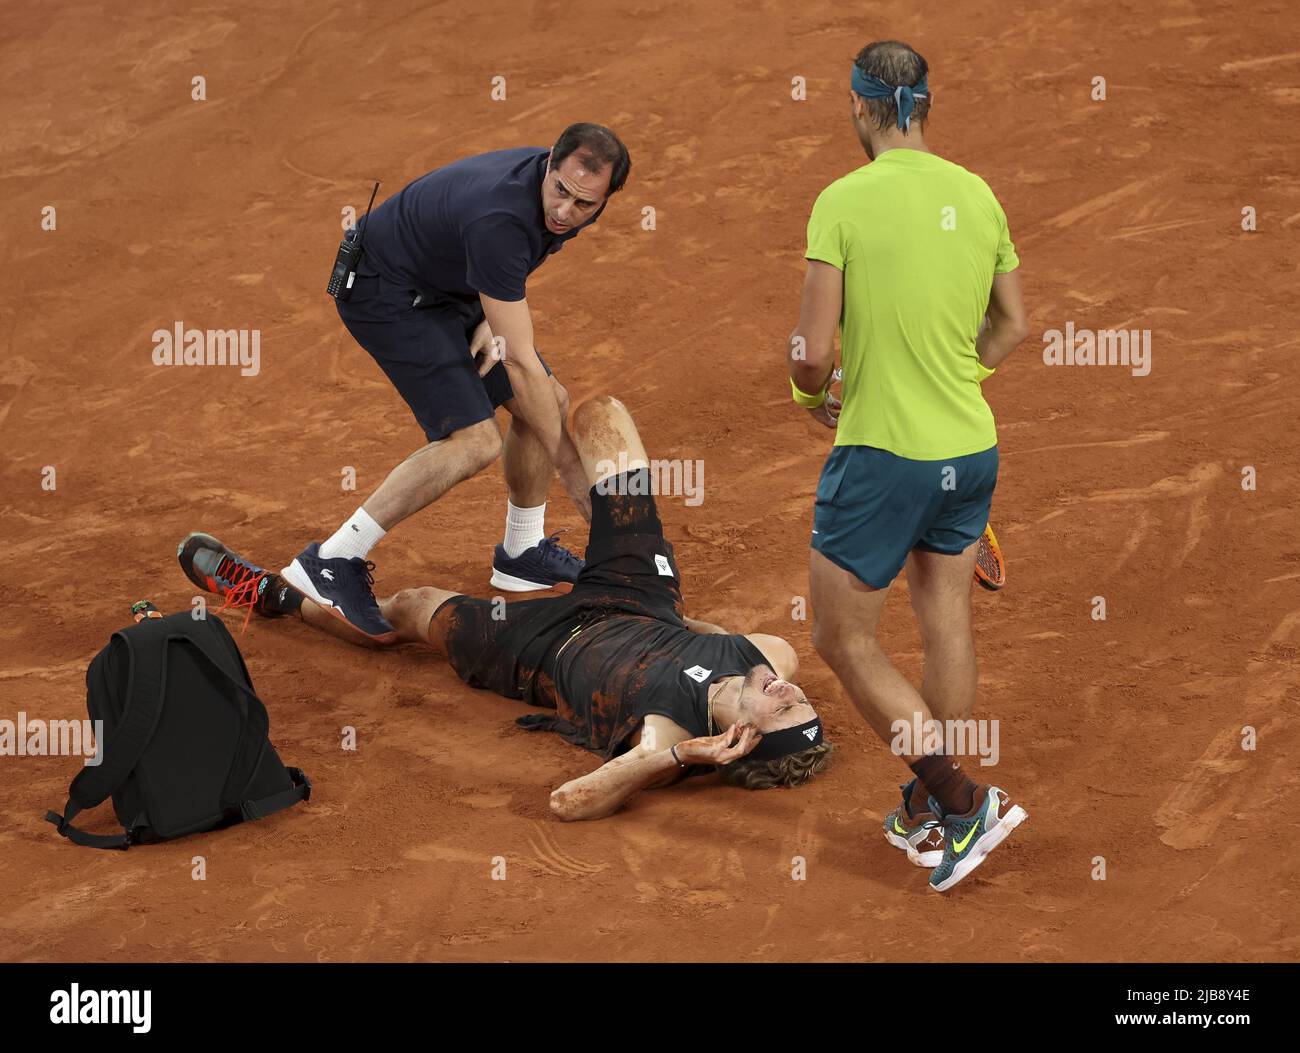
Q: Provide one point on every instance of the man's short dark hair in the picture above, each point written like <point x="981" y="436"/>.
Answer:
<point x="898" y="65"/>
<point x="598" y="147"/>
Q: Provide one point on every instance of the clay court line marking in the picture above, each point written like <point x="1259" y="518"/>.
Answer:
<point x="1137" y="232"/>
<point x="1194" y="482"/>
<point x="1096" y="204"/>
<point x="1252" y="63"/>
<point x="1141" y="440"/>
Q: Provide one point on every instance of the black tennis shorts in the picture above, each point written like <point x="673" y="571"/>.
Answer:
<point x="424" y="351"/>
<point x="630" y="569"/>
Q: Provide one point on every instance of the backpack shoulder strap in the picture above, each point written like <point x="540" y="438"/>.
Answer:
<point x="146" y="676"/>
<point x="299" y="791"/>
<point x="218" y="647"/>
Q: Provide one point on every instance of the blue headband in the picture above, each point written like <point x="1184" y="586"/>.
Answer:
<point x="870" y="87"/>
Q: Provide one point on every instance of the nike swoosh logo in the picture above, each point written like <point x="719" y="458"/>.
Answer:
<point x="898" y="829"/>
<point x="960" y="846"/>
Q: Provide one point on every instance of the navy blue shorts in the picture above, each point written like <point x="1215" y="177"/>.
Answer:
<point x="424" y="352"/>
<point x="874" y="507"/>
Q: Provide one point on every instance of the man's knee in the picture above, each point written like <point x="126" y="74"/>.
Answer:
<point x="481" y="442"/>
<point x="400" y="602"/>
<point x="826" y="641"/>
<point x="837" y="643"/>
<point x="406" y="603"/>
<point x="596" y="412"/>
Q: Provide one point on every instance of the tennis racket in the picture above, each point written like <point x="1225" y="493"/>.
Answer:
<point x="990" y="571"/>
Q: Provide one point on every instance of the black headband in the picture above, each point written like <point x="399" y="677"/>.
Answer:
<point x="782" y="743"/>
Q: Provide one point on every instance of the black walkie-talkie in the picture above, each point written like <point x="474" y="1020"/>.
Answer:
<point x="349" y="258"/>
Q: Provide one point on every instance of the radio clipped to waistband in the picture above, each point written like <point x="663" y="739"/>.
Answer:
<point x="348" y="260"/>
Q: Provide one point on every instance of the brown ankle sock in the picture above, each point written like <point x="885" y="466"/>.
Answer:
<point x="947" y="783"/>
<point x="919" y="801"/>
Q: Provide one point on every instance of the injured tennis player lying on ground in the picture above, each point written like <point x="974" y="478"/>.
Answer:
<point x="621" y="670"/>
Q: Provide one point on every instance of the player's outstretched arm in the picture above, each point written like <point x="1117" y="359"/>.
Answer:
<point x="605" y="790"/>
<point x="510" y="325"/>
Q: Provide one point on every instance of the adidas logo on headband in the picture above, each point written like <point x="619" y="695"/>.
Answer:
<point x="781" y="743"/>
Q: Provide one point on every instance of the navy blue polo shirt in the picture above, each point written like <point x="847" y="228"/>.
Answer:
<point x="473" y="226"/>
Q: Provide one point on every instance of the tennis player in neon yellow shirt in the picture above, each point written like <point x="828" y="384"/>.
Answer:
<point x="907" y="256"/>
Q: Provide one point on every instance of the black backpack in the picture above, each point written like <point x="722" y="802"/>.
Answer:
<point x="184" y="746"/>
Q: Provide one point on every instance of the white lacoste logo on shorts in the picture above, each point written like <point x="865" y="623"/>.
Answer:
<point x="665" y="568"/>
<point x="698" y="673"/>
<point x="811" y="733"/>
<point x="328" y="575"/>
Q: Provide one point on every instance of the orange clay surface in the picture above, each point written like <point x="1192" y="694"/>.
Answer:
<point x="1121" y="737"/>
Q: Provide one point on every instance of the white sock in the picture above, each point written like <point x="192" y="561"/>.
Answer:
<point x="356" y="537"/>
<point x="524" y="528"/>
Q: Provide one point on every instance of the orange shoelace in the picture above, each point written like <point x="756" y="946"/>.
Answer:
<point x="244" y="584"/>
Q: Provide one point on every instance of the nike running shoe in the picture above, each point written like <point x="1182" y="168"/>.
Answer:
<point x="545" y="565"/>
<point x="343" y="586"/>
<point x="969" y="838"/>
<point x="920" y="836"/>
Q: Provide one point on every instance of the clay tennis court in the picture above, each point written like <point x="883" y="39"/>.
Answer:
<point x="1123" y="737"/>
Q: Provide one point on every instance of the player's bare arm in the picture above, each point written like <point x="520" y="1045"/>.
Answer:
<point x="657" y="760"/>
<point x="511" y="326"/>
<point x="1008" y="321"/>
<point x="812" y="344"/>
<point x="779" y="652"/>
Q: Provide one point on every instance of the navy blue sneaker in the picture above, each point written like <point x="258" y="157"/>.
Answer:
<point x="543" y="566"/>
<point x="340" y="585"/>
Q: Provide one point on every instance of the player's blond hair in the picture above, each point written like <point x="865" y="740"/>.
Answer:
<point x="794" y="769"/>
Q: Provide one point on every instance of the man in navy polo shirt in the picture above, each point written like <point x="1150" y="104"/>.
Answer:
<point x="439" y="303"/>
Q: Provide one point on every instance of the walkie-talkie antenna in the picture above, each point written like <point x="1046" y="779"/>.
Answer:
<point x="348" y="260"/>
<point x="365" y="220"/>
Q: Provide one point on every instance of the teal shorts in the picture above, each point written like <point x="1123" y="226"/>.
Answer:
<point x="874" y="507"/>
